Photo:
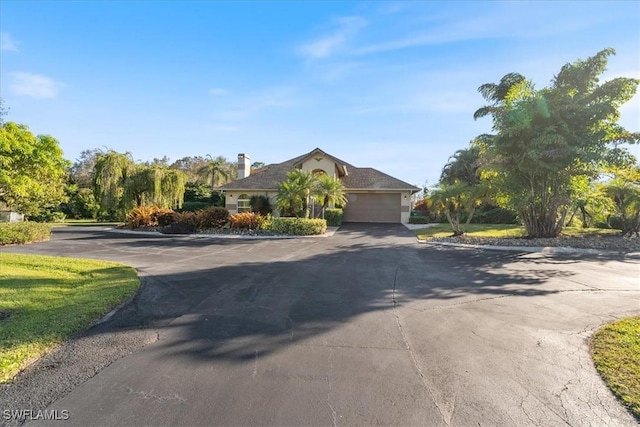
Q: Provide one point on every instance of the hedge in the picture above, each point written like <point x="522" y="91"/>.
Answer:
<point x="23" y="232"/>
<point x="333" y="217"/>
<point x="297" y="226"/>
<point x="419" y="220"/>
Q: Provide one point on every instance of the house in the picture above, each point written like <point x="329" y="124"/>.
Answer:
<point x="373" y="196"/>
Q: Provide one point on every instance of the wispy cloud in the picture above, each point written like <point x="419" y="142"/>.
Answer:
<point x="7" y="42"/>
<point x="327" y="45"/>
<point x="217" y="91"/>
<point x="545" y="21"/>
<point x="34" y="85"/>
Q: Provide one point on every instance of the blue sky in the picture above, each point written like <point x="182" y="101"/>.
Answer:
<point x="390" y="85"/>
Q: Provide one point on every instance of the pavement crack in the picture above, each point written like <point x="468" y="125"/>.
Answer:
<point x="414" y="359"/>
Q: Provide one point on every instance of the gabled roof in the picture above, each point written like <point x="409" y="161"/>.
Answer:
<point x="270" y="176"/>
<point x="342" y="165"/>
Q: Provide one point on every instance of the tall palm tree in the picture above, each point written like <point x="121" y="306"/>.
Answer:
<point x="216" y="171"/>
<point x="328" y="190"/>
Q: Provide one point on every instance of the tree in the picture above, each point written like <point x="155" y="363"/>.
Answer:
<point x="624" y="191"/>
<point x="455" y="200"/>
<point x="120" y="185"/>
<point x="111" y="171"/>
<point x="543" y="139"/>
<point x="460" y="190"/>
<point x="216" y="170"/>
<point x="3" y="111"/>
<point x="32" y="170"/>
<point x="257" y="165"/>
<point x="328" y="190"/>
<point x="295" y="192"/>
<point x="82" y="169"/>
<point x="463" y="165"/>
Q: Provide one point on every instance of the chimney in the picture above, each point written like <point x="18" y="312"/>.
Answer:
<point x="244" y="166"/>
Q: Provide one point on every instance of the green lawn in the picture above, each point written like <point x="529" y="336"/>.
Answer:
<point x="45" y="300"/>
<point x="616" y="353"/>
<point x="502" y="231"/>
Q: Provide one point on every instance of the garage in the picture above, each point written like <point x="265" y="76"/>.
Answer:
<point x="373" y="207"/>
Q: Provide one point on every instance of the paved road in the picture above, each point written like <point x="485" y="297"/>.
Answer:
<point x="366" y="327"/>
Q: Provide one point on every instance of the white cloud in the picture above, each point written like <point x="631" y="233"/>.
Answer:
<point x="326" y="46"/>
<point x="546" y="21"/>
<point x="34" y="85"/>
<point x="7" y="42"/>
<point x="217" y="91"/>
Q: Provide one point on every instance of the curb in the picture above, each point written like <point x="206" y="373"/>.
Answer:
<point x="329" y="233"/>
<point x="534" y="249"/>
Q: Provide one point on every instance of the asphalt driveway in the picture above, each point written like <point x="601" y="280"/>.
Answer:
<point x="366" y="327"/>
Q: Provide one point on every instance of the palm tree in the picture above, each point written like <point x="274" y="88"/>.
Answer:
<point x="328" y="190"/>
<point x="294" y="193"/>
<point x="216" y="171"/>
<point x="463" y="166"/>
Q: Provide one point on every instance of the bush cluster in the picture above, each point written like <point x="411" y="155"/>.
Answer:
<point x="23" y="232"/>
<point x="298" y="226"/>
<point x="419" y="220"/>
<point x="145" y="216"/>
<point x="171" y="222"/>
<point x="333" y="217"/>
<point x="247" y="220"/>
<point x="213" y="217"/>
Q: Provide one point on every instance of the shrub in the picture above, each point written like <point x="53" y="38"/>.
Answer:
<point x="333" y="216"/>
<point x="144" y="216"/>
<point x="48" y="215"/>
<point x="260" y="204"/>
<point x="247" y="220"/>
<point x="186" y="223"/>
<point x="23" y="232"/>
<point x="298" y="226"/>
<point x="490" y="214"/>
<point x="168" y="218"/>
<point x="213" y="217"/>
<point x="419" y="220"/>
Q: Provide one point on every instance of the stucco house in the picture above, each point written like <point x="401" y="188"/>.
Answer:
<point x="373" y="196"/>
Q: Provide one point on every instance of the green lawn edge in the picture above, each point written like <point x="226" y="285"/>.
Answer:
<point x="615" y="350"/>
<point x="502" y="231"/>
<point x="46" y="300"/>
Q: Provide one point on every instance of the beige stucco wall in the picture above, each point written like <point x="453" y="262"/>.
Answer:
<point x="324" y="163"/>
<point x="405" y="206"/>
<point x="231" y="203"/>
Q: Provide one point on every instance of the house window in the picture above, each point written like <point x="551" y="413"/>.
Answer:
<point x="244" y="203"/>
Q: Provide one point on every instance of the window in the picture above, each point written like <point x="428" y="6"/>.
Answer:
<point x="244" y="203"/>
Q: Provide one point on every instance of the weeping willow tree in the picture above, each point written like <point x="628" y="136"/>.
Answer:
<point x="155" y="185"/>
<point x="110" y="172"/>
<point x="120" y="185"/>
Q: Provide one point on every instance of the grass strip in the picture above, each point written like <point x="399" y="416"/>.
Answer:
<point x="504" y="231"/>
<point x="615" y="350"/>
<point x="45" y="300"/>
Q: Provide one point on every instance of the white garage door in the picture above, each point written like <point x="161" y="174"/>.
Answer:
<point x="371" y="207"/>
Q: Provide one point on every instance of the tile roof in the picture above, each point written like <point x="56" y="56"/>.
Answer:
<point x="270" y="176"/>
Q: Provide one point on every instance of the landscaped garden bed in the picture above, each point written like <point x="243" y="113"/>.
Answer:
<point x="515" y="235"/>
<point x="217" y="220"/>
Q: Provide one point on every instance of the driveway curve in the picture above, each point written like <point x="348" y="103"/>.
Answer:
<point x="366" y="327"/>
